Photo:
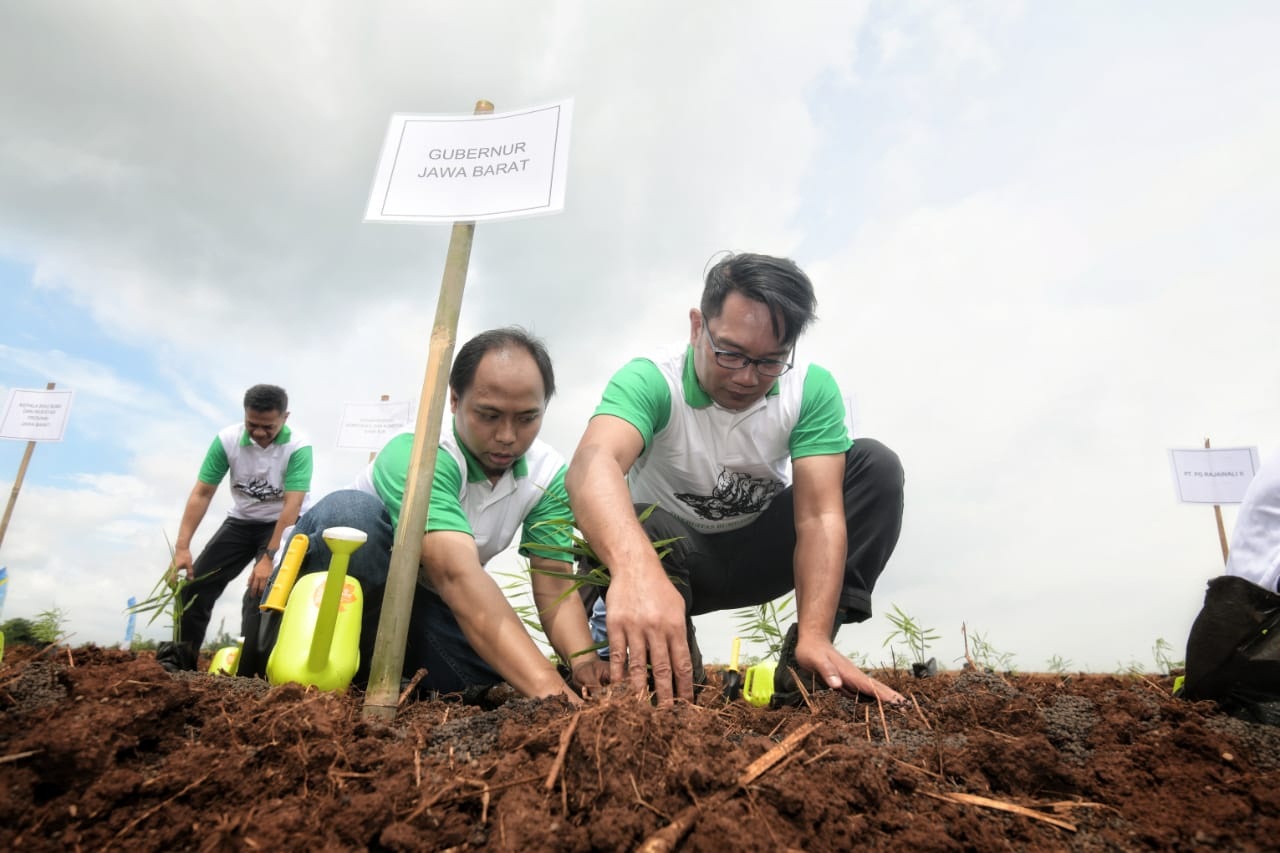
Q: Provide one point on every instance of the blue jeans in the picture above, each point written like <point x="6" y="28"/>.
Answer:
<point x="435" y="639"/>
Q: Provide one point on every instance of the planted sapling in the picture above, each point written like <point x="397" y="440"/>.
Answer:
<point x="764" y="624"/>
<point x="1059" y="665"/>
<point x="916" y="638"/>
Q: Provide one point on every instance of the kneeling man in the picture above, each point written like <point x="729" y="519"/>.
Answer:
<point x="493" y="478"/>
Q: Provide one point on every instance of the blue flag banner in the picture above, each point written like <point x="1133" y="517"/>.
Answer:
<point x="133" y="618"/>
<point x="4" y="583"/>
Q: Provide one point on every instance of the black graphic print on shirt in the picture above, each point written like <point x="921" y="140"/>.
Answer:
<point x="260" y="490"/>
<point x="734" y="494"/>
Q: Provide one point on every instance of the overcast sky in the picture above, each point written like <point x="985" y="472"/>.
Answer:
<point x="1041" y="236"/>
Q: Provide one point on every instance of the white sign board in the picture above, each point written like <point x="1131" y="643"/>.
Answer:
<point x="494" y="166"/>
<point x="368" y="426"/>
<point x="31" y="415"/>
<point x="1216" y="475"/>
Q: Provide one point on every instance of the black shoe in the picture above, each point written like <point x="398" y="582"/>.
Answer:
<point x="175" y="657"/>
<point x="695" y="653"/>
<point x="786" y="690"/>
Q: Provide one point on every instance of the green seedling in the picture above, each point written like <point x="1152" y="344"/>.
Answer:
<point x="580" y="552"/>
<point x="516" y="592"/>
<point x="911" y="634"/>
<point x="165" y="598"/>
<point x="48" y="626"/>
<point x="1162" y="652"/>
<point x="765" y="624"/>
<point x="1059" y="665"/>
<point x="985" y="655"/>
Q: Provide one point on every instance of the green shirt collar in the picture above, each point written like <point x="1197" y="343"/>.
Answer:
<point x="475" y="473"/>
<point x="282" y="437"/>
<point x="693" y="393"/>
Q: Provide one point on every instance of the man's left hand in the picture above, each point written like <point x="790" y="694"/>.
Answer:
<point x="824" y="660"/>
<point x="260" y="575"/>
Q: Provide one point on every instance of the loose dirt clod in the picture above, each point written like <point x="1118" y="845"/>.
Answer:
<point x="116" y="753"/>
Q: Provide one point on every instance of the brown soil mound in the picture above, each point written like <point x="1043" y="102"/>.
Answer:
<point x="103" y="749"/>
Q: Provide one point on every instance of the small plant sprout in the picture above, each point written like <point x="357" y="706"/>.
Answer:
<point x="911" y="634"/>
<point x="165" y="597"/>
<point x="516" y="590"/>
<point x="765" y="624"/>
<point x="860" y="659"/>
<point x="987" y="657"/>
<point x="579" y="551"/>
<point x="1132" y="668"/>
<point x="1162" y="651"/>
<point x="1060" y="665"/>
<point x="48" y="626"/>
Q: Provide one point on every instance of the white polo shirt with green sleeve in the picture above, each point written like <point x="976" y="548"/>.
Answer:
<point x="462" y="498"/>
<point x="715" y="469"/>
<point x="259" y="475"/>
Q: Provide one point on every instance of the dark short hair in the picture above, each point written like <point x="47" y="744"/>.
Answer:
<point x="468" y="358"/>
<point x="777" y="282"/>
<point x="266" y="398"/>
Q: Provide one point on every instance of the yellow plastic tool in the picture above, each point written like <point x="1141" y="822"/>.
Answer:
<point x="278" y="595"/>
<point x="226" y="660"/>
<point x="319" y="642"/>
<point x="757" y="686"/>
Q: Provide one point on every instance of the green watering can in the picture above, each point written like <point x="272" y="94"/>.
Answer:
<point x="226" y="660"/>
<point x="319" y="641"/>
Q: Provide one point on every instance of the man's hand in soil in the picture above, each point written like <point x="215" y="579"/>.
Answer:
<point x="590" y="674"/>
<point x="646" y="627"/>
<point x="260" y="575"/>
<point x="819" y="656"/>
<point x="180" y="566"/>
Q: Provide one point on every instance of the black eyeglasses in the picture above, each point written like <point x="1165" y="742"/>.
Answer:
<point x="730" y="360"/>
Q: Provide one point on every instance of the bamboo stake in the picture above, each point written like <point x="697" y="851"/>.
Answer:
<point x="1217" y="514"/>
<point x="406" y="552"/>
<point x="17" y="481"/>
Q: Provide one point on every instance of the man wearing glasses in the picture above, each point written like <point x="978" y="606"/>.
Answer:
<point x="758" y="487"/>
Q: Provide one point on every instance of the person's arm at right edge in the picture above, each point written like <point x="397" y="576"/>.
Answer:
<point x="646" y="618"/>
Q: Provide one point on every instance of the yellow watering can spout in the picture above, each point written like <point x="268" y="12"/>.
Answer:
<point x="319" y="642"/>
<point x="342" y="542"/>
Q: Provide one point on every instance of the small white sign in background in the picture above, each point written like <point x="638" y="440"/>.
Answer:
<point x="1217" y="475"/>
<point x="491" y="166"/>
<point x="35" y="415"/>
<point x="368" y="426"/>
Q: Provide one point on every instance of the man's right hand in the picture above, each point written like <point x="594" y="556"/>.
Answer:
<point x="646" y="625"/>
<point x="181" y="563"/>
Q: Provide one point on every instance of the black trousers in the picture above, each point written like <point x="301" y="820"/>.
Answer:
<point x="234" y="544"/>
<point x="755" y="564"/>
